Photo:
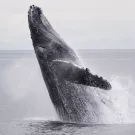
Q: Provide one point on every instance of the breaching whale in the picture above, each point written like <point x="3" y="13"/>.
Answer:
<point x="70" y="85"/>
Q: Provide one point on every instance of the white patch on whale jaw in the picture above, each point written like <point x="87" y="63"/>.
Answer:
<point x="41" y="49"/>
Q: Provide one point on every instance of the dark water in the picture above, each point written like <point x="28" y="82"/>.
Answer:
<point x="59" y="128"/>
<point x="23" y="95"/>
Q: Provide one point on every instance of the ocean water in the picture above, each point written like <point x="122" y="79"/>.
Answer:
<point x="59" y="128"/>
<point x="25" y="106"/>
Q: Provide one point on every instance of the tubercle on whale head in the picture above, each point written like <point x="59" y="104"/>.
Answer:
<point x="38" y="9"/>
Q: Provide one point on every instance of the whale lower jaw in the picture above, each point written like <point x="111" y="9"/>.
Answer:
<point x="41" y="30"/>
<point x="36" y="17"/>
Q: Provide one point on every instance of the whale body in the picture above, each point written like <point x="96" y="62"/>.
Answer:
<point x="70" y="85"/>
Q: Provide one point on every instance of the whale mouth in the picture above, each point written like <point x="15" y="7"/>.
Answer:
<point x="34" y="14"/>
<point x="40" y="28"/>
<point x="36" y="25"/>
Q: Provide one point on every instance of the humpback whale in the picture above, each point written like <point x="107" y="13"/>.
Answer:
<point x="72" y="88"/>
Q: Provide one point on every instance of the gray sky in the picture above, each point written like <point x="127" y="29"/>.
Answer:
<point x="93" y="24"/>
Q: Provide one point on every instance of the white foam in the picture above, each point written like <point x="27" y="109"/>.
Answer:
<point x="119" y="100"/>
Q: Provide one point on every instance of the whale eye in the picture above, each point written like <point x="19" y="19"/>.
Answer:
<point x="41" y="49"/>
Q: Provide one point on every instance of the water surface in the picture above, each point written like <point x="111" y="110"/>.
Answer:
<point x="24" y="98"/>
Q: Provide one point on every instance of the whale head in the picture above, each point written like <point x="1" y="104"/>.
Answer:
<point x="46" y="41"/>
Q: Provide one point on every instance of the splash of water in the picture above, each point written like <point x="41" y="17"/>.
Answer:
<point x="119" y="102"/>
<point x="117" y="105"/>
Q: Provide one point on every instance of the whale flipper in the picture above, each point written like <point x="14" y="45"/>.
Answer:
<point x="75" y="74"/>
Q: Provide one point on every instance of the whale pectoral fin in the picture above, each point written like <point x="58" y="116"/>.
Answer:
<point x="74" y="74"/>
<point x="96" y="81"/>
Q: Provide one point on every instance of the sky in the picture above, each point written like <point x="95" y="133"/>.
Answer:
<point x="83" y="24"/>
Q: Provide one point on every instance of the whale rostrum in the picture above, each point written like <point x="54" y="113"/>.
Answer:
<point x="71" y="87"/>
